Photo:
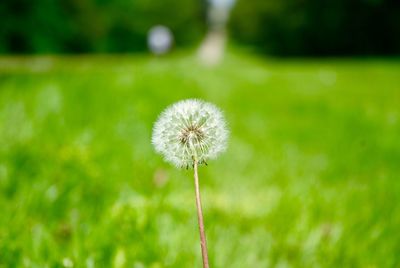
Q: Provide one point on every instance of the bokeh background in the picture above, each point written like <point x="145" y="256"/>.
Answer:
<point x="285" y="28"/>
<point x="311" y="93"/>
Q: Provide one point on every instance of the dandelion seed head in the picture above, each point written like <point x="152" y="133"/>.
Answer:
<point x="190" y="130"/>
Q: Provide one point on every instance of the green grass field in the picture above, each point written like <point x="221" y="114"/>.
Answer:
<point x="311" y="177"/>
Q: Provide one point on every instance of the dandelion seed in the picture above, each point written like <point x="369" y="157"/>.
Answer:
<point x="189" y="133"/>
<point x="188" y="130"/>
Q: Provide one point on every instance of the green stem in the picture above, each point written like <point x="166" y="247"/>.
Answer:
<point x="203" y="242"/>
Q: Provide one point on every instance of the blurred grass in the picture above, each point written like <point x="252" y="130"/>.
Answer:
<point x="310" y="179"/>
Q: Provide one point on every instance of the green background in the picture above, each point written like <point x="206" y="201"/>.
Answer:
<point x="284" y="28"/>
<point x="310" y="178"/>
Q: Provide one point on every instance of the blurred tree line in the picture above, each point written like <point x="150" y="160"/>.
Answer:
<point x="319" y="27"/>
<point x="79" y="26"/>
<point x="290" y="27"/>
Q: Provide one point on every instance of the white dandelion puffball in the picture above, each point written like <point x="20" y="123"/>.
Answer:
<point x="188" y="131"/>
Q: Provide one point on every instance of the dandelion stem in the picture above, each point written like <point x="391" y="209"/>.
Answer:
<point x="200" y="218"/>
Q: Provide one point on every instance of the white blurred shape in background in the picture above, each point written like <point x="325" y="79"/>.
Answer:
<point x="159" y="39"/>
<point x="212" y="49"/>
<point x="218" y="13"/>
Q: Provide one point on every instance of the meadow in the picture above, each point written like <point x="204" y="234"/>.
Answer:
<point x="311" y="177"/>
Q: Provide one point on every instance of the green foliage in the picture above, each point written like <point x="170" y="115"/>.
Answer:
<point x="45" y="26"/>
<point x="310" y="179"/>
<point x="313" y="27"/>
<point x="309" y="27"/>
